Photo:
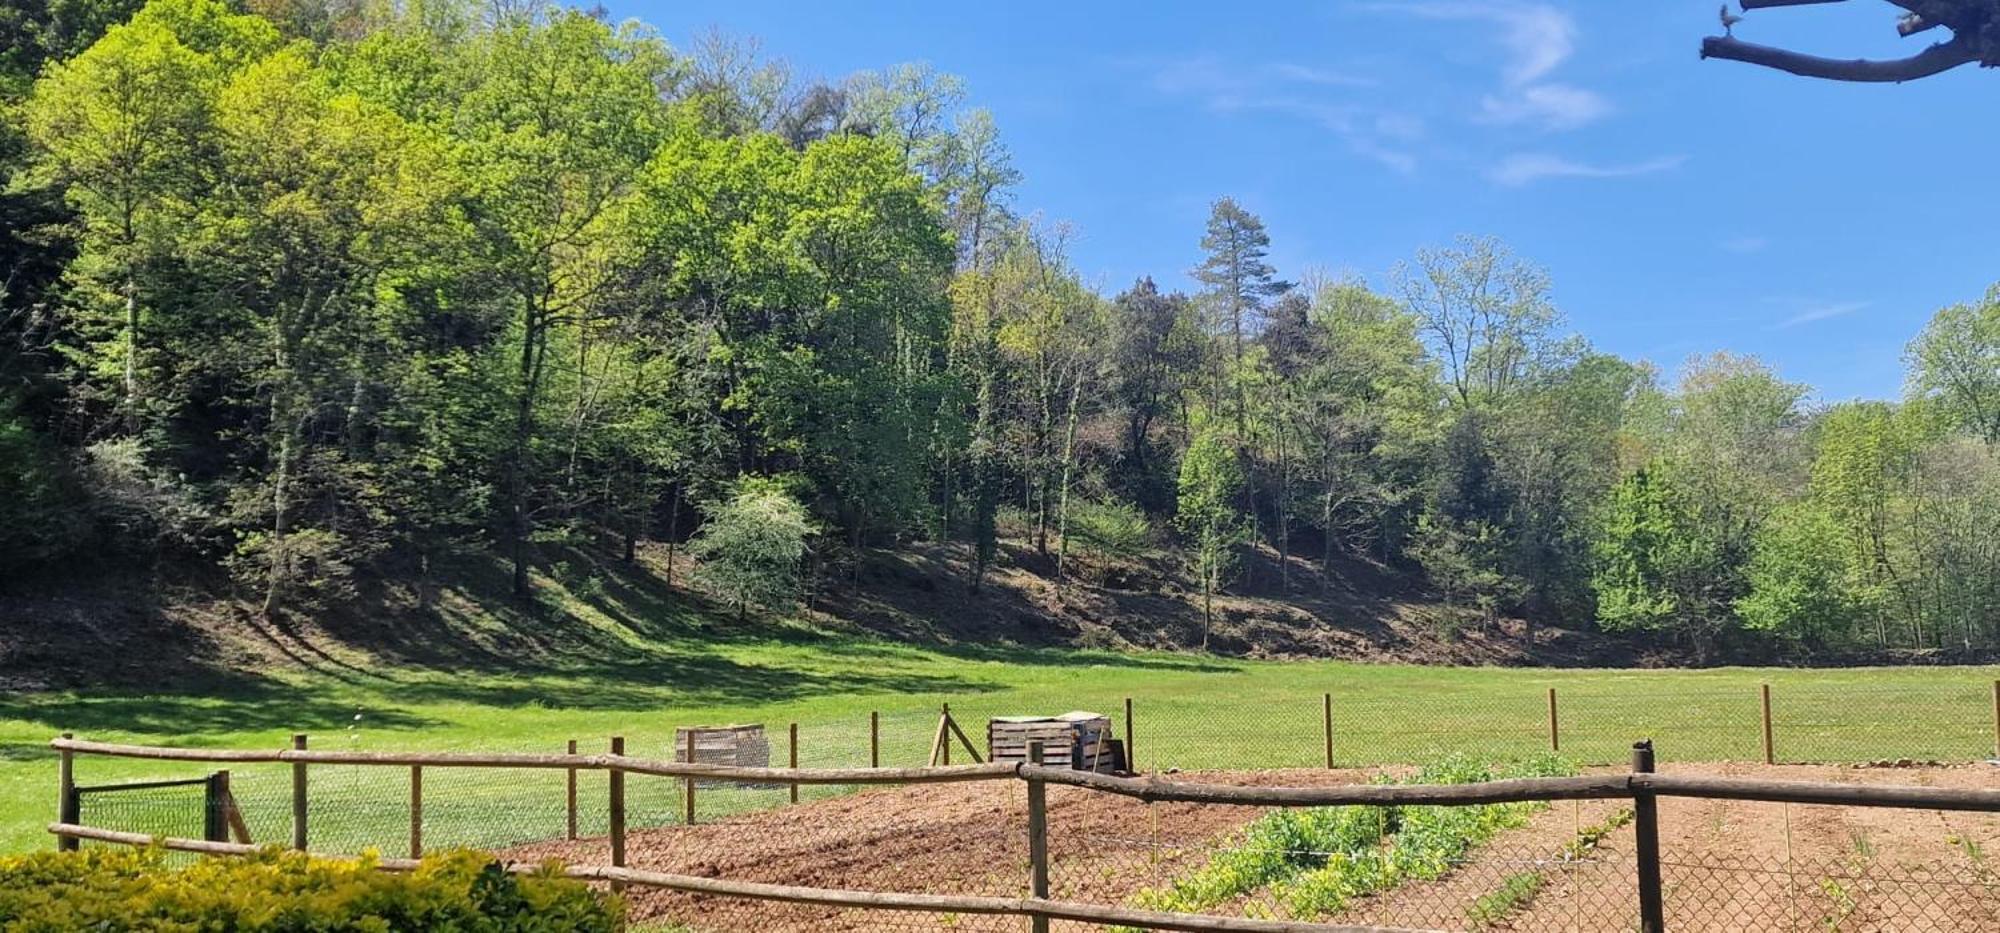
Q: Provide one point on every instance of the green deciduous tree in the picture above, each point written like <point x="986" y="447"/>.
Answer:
<point x="752" y="548"/>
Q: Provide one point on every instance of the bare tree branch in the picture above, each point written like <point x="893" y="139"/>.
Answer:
<point x="1939" y="58"/>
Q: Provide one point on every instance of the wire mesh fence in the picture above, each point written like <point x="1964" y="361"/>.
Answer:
<point x="1573" y="865"/>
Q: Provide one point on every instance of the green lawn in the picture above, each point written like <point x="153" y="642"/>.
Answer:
<point x="1191" y="712"/>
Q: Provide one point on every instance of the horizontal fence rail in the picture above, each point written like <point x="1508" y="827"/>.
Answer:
<point x="1640" y="785"/>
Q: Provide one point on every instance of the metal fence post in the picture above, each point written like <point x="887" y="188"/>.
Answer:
<point x="1131" y="750"/>
<point x="1555" y="729"/>
<point x="569" y="800"/>
<point x="416" y="811"/>
<point x="1646" y="842"/>
<point x="69" y="806"/>
<point x="1326" y="720"/>
<point x="617" y="815"/>
<point x="795" y="759"/>
<point x="299" y="796"/>
<point x="215" y="809"/>
<point x="1038" y="838"/>
<point x="1770" y="750"/>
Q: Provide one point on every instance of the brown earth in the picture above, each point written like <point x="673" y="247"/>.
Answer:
<point x="1727" y="865"/>
<point x="186" y="625"/>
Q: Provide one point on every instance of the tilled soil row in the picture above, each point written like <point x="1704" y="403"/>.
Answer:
<point x="1729" y="865"/>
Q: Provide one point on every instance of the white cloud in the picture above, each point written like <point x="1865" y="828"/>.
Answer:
<point x="1527" y="168"/>
<point x="1552" y="106"/>
<point x="1821" y="313"/>
<point x="1306" y="92"/>
<point x="1537" y="39"/>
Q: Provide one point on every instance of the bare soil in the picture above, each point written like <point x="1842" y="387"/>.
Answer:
<point x="1728" y="865"/>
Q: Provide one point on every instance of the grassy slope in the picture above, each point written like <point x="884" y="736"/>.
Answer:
<point x="637" y="663"/>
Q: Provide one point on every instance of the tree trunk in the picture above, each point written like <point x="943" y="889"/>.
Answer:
<point x="131" y="349"/>
<point x="1068" y="462"/>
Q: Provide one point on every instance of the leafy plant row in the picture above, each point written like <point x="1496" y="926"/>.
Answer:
<point x="1316" y="860"/>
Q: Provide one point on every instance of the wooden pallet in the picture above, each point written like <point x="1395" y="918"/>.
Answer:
<point x="1076" y="740"/>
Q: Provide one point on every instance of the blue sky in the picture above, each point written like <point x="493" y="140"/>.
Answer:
<point x="1681" y="206"/>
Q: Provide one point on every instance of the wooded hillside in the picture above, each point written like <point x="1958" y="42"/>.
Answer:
<point x="321" y="294"/>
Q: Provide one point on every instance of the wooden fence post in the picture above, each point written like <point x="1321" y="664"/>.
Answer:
<point x="569" y="801"/>
<point x="69" y="807"/>
<point x="795" y="759"/>
<point x="1646" y="840"/>
<point x="1555" y="731"/>
<point x="1131" y="755"/>
<point x="944" y="732"/>
<point x="1326" y="719"/>
<point x="1996" y="719"/>
<point x="215" y="808"/>
<point x="875" y="736"/>
<point x="416" y="811"/>
<point x="687" y="795"/>
<point x="1770" y="751"/>
<point x="617" y="816"/>
<point x="1038" y="839"/>
<point x="299" y="796"/>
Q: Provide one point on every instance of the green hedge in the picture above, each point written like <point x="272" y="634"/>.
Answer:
<point x="126" y="889"/>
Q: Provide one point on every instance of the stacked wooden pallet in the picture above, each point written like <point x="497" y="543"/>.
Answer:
<point x="741" y="746"/>
<point x="1078" y="740"/>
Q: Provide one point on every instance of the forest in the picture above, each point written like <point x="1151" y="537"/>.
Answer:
<point x="316" y="294"/>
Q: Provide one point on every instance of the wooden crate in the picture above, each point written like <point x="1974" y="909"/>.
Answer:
<point x="1077" y="740"/>
<point x="740" y="746"/>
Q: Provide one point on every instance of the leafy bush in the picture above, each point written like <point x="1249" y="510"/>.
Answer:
<point x="40" y="507"/>
<point x="124" y="889"/>
<point x="751" y="547"/>
<point x="1110" y="529"/>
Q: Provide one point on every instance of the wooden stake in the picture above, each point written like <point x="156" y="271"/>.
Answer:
<point x="875" y="735"/>
<point x="299" y="796"/>
<point x="1131" y="755"/>
<point x="1038" y="838"/>
<point x="617" y="815"/>
<point x="687" y="801"/>
<point x="1326" y="719"/>
<point x="68" y="805"/>
<point x="215" y="808"/>
<point x="938" y="749"/>
<point x="1770" y="751"/>
<point x="1555" y="731"/>
<point x="569" y="801"/>
<point x="416" y="811"/>
<point x="795" y="760"/>
<point x="970" y="748"/>
<point x="944" y="733"/>
<point x="1646" y="843"/>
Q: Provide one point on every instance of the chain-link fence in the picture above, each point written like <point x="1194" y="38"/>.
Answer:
<point x="1590" y="721"/>
<point x="1727" y="856"/>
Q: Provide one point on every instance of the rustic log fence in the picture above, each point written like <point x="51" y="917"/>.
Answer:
<point x="1641" y="785"/>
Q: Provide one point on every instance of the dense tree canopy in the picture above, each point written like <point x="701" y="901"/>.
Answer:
<point x="319" y="294"/>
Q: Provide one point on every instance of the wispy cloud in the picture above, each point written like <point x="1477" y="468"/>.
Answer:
<point x="1306" y="92"/>
<point x="1529" y="167"/>
<point x="1821" y="313"/>
<point x="1744" y="245"/>
<point x="1537" y="38"/>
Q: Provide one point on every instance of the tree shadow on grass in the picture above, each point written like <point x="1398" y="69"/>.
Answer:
<point x="193" y="713"/>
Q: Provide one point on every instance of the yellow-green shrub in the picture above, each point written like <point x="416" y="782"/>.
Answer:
<point x="288" y="892"/>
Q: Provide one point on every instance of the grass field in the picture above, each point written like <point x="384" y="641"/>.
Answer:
<point x="636" y="664"/>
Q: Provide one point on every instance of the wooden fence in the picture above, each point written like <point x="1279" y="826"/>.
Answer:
<point x="1640" y="785"/>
